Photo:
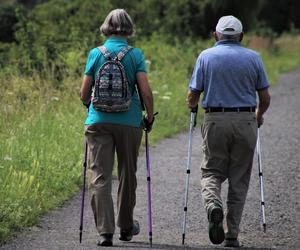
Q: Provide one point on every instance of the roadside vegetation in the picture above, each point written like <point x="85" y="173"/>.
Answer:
<point x="41" y="121"/>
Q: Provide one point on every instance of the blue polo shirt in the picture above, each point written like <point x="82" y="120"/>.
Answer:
<point x="133" y="62"/>
<point x="228" y="75"/>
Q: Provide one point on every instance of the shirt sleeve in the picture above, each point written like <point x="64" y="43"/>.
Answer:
<point x="262" y="79"/>
<point x="140" y="60"/>
<point x="90" y="63"/>
<point x="196" y="83"/>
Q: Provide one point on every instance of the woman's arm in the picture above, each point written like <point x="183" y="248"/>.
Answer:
<point x="86" y="89"/>
<point x="146" y="94"/>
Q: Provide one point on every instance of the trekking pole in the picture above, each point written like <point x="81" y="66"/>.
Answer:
<point x="83" y="190"/>
<point x="149" y="184"/>
<point x="149" y="188"/>
<point x="187" y="179"/>
<point x="261" y="183"/>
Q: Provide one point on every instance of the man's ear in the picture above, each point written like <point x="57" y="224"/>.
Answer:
<point x="241" y="36"/>
<point x="215" y="36"/>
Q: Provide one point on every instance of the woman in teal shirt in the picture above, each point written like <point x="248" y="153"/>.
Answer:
<point x="120" y="132"/>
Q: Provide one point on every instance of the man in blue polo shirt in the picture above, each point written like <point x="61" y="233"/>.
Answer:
<point x="229" y="76"/>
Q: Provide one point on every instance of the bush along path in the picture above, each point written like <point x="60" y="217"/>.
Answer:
<point x="280" y="151"/>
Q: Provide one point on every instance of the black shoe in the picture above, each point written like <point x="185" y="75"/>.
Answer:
<point x="126" y="234"/>
<point x="231" y="242"/>
<point x="215" y="228"/>
<point x="105" y="240"/>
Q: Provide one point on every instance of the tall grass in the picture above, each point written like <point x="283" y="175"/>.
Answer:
<point x="41" y="143"/>
<point x="41" y="127"/>
<point x="282" y="56"/>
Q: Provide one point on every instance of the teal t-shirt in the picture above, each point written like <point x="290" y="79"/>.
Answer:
<point x="133" y="62"/>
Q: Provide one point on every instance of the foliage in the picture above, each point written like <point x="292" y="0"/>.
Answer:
<point x="54" y="37"/>
<point x="280" y="15"/>
<point x="8" y="21"/>
<point x="54" y="34"/>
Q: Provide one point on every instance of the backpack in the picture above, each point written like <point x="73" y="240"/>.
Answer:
<point x="111" y="89"/>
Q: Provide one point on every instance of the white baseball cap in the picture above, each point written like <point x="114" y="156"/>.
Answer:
<point x="229" y="25"/>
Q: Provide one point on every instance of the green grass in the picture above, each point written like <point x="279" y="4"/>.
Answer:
<point x="41" y="128"/>
<point x="40" y="160"/>
<point x="284" y="56"/>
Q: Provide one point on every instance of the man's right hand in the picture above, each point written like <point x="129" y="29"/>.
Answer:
<point x="260" y="119"/>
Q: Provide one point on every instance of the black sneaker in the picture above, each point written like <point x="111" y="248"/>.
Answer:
<point x="105" y="240"/>
<point x="231" y="242"/>
<point x="126" y="234"/>
<point x="215" y="227"/>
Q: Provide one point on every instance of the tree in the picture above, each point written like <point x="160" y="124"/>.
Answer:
<point x="8" y="21"/>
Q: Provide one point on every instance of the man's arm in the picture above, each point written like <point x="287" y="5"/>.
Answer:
<point x="264" y="103"/>
<point x="193" y="98"/>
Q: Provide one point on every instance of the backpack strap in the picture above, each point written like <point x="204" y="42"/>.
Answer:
<point x="122" y="53"/>
<point x="105" y="52"/>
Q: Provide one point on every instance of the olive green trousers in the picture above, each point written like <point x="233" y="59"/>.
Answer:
<point x="104" y="140"/>
<point x="229" y="140"/>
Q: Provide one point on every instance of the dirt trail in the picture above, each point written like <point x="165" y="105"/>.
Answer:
<point x="280" y="140"/>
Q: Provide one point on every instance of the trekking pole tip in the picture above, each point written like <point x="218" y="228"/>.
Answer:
<point x="264" y="227"/>
<point x="80" y="237"/>
<point x="183" y="237"/>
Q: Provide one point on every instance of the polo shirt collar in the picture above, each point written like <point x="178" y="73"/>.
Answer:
<point x="114" y="39"/>
<point x="221" y="42"/>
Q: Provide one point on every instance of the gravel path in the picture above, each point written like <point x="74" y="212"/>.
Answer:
<point x="280" y="139"/>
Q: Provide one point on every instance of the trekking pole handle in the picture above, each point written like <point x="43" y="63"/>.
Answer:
<point x="195" y="109"/>
<point x="194" y="112"/>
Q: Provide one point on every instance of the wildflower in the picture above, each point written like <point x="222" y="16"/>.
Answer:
<point x="54" y="98"/>
<point x="165" y="97"/>
<point x="148" y="64"/>
<point x="7" y="158"/>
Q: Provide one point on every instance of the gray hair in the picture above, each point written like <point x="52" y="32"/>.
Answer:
<point x="228" y="37"/>
<point x="117" y="22"/>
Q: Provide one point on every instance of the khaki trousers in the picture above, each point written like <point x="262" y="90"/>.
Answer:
<point x="229" y="140"/>
<point x="103" y="141"/>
